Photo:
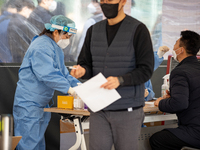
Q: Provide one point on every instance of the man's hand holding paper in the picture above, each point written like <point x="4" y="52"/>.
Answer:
<point x="95" y="97"/>
<point x="112" y="83"/>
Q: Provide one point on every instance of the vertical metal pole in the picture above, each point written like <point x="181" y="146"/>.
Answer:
<point x="7" y="131"/>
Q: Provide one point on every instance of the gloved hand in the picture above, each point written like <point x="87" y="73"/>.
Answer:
<point x="71" y="91"/>
<point x="146" y="93"/>
<point x="162" y="50"/>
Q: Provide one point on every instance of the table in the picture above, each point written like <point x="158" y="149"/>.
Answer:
<point x="80" y="125"/>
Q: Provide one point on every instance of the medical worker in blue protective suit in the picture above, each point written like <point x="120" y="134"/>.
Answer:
<point x="42" y="72"/>
<point x="158" y="58"/>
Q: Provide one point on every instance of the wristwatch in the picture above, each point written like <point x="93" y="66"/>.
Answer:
<point x="121" y="80"/>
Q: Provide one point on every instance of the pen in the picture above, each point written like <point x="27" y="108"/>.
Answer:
<point x="71" y="67"/>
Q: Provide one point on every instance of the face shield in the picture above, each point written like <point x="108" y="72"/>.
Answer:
<point x="67" y="26"/>
<point x="64" y="40"/>
<point x="67" y="29"/>
<point x="67" y="45"/>
<point x="66" y="35"/>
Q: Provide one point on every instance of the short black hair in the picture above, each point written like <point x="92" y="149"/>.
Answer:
<point x="190" y="40"/>
<point x="11" y="4"/>
<point x="24" y="3"/>
<point x="48" y="33"/>
<point x="8" y="4"/>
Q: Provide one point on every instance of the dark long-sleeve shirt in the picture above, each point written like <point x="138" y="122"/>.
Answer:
<point x="143" y="52"/>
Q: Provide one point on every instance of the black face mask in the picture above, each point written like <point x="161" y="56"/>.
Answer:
<point x="110" y="10"/>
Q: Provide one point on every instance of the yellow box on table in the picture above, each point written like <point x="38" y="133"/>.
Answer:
<point x="64" y="101"/>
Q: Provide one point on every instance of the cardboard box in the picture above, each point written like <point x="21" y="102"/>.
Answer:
<point x="15" y="141"/>
<point x="65" y="101"/>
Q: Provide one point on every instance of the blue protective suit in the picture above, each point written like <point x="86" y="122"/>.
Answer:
<point x="148" y="84"/>
<point x="42" y="72"/>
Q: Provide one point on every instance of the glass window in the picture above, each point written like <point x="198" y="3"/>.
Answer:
<point x="20" y="22"/>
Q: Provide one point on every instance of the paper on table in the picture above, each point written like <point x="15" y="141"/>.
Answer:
<point x="150" y="104"/>
<point x="93" y="96"/>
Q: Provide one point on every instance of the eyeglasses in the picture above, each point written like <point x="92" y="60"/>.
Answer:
<point x="108" y="1"/>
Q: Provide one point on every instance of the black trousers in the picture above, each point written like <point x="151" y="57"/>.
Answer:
<point x="165" y="140"/>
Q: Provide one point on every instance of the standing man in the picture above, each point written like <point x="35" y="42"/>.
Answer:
<point x="120" y="47"/>
<point x="8" y="10"/>
<point x="42" y="14"/>
<point x="183" y="98"/>
<point x="20" y="31"/>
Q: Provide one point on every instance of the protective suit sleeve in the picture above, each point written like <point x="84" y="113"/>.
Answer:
<point x="73" y="81"/>
<point x="43" y="67"/>
<point x="157" y="60"/>
<point x="149" y="87"/>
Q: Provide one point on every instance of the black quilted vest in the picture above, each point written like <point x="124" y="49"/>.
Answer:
<point x="117" y="59"/>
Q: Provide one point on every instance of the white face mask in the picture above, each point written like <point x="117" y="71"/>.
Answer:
<point x="27" y="13"/>
<point x="91" y="8"/>
<point x="175" y="55"/>
<point x="63" y="43"/>
<point x="53" y="6"/>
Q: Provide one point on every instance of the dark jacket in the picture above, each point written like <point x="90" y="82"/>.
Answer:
<point x="5" y="55"/>
<point x="20" y="34"/>
<point x="185" y="100"/>
<point x="39" y="17"/>
<point x="60" y="9"/>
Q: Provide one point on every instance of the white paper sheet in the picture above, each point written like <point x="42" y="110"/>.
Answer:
<point x="93" y="96"/>
<point x="150" y="104"/>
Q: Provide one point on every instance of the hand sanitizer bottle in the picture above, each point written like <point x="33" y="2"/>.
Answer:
<point x="165" y="85"/>
<point x="78" y="103"/>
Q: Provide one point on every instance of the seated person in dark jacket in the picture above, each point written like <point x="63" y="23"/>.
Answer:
<point x="183" y="97"/>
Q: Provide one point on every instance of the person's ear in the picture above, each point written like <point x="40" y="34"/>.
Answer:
<point x="124" y="2"/>
<point x="55" y="35"/>
<point x="183" y="50"/>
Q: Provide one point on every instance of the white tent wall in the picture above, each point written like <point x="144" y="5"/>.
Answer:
<point x="179" y="15"/>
